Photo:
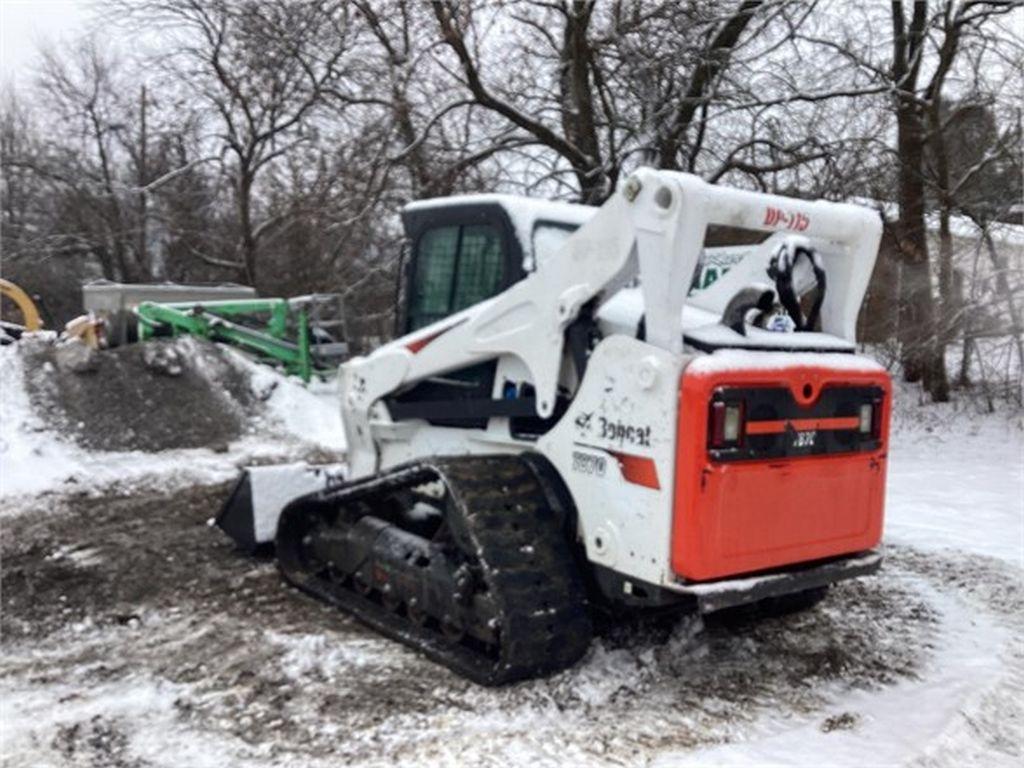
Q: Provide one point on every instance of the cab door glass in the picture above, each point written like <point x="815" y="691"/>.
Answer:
<point x="435" y="269"/>
<point x="456" y="267"/>
<point x="479" y="272"/>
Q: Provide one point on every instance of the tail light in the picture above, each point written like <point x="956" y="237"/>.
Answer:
<point x="870" y="419"/>
<point x="866" y="422"/>
<point x="726" y="424"/>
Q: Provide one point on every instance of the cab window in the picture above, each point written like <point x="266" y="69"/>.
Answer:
<point x="456" y="267"/>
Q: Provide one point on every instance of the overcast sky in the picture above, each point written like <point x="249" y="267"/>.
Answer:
<point x="26" y="23"/>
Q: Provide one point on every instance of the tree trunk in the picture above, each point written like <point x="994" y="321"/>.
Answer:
<point x="102" y="254"/>
<point x="247" y="238"/>
<point x="1000" y="267"/>
<point x="125" y="272"/>
<point x="142" y="255"/>
<point x="970" y="301"/>
<point x="947" y="285"/>
<point x="922" y="356"/>
<point x="877" y="321"/>
<point x="579" y="121"/>
<point x="963" y="379"/>
<point x="950" y="305"/>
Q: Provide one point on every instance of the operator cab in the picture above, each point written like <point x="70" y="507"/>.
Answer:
<point x="464" y="250"/>
<point x="467" y="248"/>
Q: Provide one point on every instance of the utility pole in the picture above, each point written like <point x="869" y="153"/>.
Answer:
<point x="142" y="181"/>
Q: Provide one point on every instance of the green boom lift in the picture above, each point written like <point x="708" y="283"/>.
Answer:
<point x="292" y="333"/>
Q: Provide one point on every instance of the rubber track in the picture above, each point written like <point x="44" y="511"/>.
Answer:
<point x="504" y="520"/>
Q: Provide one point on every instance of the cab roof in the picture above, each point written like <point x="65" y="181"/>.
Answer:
<point x="524" y="212"/>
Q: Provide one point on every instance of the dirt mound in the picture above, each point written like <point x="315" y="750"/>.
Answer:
<point x="164" y="394"/>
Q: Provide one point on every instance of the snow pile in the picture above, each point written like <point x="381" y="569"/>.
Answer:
<point x="310" y="411"/>
<point x="129" y="420"/>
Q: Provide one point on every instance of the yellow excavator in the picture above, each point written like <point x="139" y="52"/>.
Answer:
<point x="30" y="319"/>
<point x="87" y="328"/>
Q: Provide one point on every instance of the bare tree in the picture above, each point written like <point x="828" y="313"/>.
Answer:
<point x="924" y="45"/>
<point x="83" y="89"/>
<point x="924" y="351"/>
<point x="567" y="90"/>
<point x="262" y="69"/>
<point x="434" y="133"/>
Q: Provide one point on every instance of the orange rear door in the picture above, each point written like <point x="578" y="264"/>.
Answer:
<point x="802" y="477"/>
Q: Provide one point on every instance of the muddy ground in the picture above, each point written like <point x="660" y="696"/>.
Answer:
<point x="135" y="635"/>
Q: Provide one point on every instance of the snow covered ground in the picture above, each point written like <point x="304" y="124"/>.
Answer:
<point x="957" y="481"/>
<point x="134" y="636"/>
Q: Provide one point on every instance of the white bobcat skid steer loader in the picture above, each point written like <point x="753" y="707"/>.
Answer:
<point x="568" y="423"/>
